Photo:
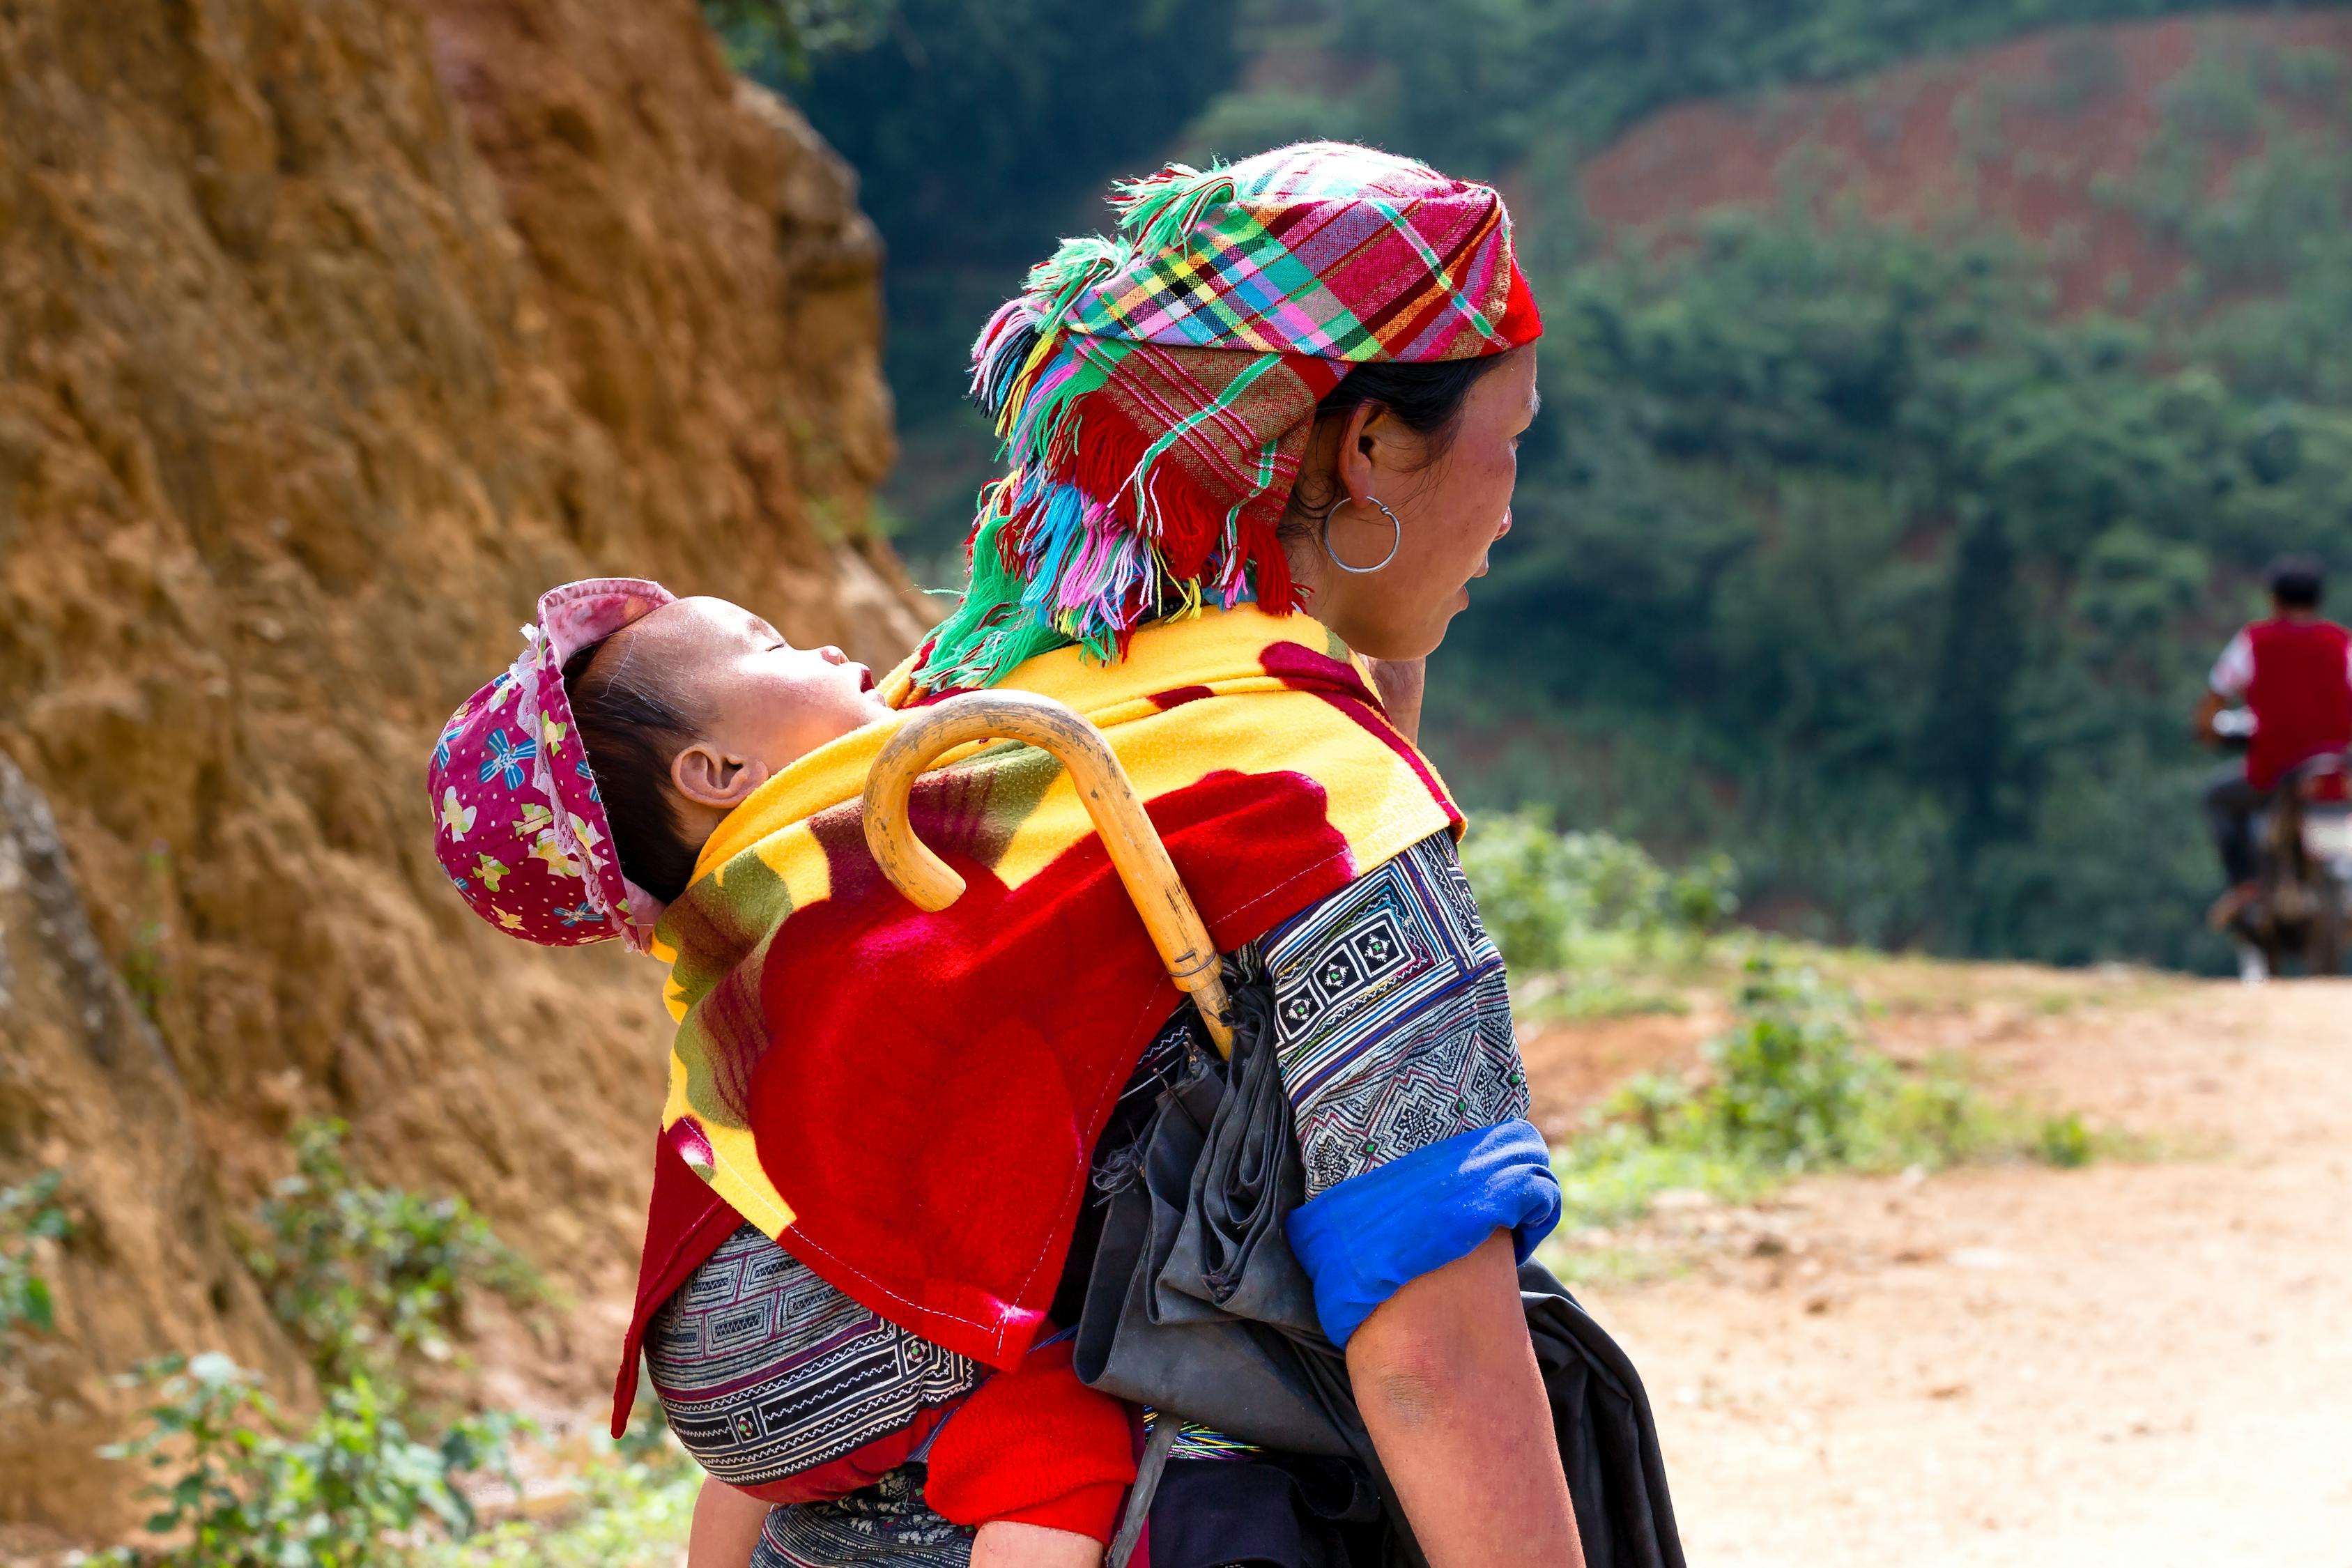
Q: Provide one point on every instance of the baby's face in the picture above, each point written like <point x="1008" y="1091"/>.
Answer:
<point x="754" y="694"/>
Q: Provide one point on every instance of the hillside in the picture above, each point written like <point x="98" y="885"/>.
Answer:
<point x="1919" y="442"/>
<point x="2088" y="142"/>
<point x="329" y="335"/>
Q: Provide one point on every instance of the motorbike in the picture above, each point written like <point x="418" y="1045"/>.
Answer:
<point x="2305" y="841"/>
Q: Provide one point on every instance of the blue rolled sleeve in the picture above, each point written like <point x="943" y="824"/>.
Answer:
<point x="1362" y="1240"/>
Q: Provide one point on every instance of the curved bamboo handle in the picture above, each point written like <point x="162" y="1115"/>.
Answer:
<point x="1136" y="851"/>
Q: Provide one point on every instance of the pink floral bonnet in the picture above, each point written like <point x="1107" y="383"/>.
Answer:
<point x="519" y="823"/>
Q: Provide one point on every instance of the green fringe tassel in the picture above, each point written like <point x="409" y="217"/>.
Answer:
<point x="988" y="634"/>
<point x="1075" y="265"/>
<point x="1160" y="210"/>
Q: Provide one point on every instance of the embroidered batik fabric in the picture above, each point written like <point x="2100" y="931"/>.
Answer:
<point x="885" y="1525"/>
<point x="1393" y="1017"/>
<point x="765" y="1370"/>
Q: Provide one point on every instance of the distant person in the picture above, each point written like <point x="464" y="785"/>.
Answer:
<point x="2294" y="671"/>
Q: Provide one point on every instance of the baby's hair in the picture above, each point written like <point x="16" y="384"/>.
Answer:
<point x="632" y="731"/>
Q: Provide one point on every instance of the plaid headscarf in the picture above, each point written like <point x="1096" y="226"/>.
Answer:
<point x="1155" y="391"/>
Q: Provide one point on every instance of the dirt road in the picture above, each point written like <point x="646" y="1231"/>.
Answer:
<point x="2144" y="1362"/>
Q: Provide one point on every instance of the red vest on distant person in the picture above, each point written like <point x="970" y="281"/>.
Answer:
<point x="2301" y="695"/>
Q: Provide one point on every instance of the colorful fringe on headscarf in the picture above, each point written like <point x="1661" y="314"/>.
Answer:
<point x="1154" y="392"/>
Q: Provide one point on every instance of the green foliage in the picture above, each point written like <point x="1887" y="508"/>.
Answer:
<point x="1790" y="1088"/>
<point x="366" y="1275"/>
<point x="1790" y="1083"/>
<point x="1020" y="109"/>
<point x="789" y="36"/>
<point x="1842" y="551"/>
<point x="145" y="967"/>
<point x="29" y="1216"/>
<point x="635" y="1513"/>
<point x="2065" y="1142"/>
<point x="981" y="132"/>
<point x="1578" y="71"/>
<point x="1542" y="893"/>
<point x="236" y="1488"/>
<point x="1859" y="563"/>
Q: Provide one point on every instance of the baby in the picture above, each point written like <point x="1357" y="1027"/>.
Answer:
<point x="686" y="712"/>
<point x="575" y="793"/>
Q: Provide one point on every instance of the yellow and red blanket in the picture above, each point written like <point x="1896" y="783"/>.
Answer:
<point x="909" y="1101"/>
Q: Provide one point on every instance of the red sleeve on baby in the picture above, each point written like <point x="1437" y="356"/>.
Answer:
<point x="1035" y="1446"/>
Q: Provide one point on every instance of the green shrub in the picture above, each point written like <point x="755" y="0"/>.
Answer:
<point x="788" y="34"/>
<point x="1542" y="891"/>
<point x="1513" y="862"/>
<point x="29" y="1215"/>
<point x="1790" y="1088"/>
<point x="367" y="1276"/>
<point x="2064" y="1142"/>
<point x="353" y="1489"/>
<point x="1790" y="1083"/>
<point x="633" y="1514"/>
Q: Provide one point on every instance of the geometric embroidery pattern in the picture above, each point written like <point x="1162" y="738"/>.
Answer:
<point x="1392" y="1017"/>
<point x="765" y="1370"/>
<point x="886" y="1525"/>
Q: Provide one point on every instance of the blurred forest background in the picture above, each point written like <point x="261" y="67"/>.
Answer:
<point x="1926" y="382"/>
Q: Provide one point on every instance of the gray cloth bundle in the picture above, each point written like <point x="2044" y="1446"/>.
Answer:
<point x="1197" y="1307"/>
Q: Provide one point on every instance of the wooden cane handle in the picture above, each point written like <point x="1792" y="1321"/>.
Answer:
<point x="1141" y="858"/>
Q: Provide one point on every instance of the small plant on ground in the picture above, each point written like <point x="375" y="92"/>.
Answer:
<point x="146" y="969"/>
<point x="632" y="1512"/>
<point x="1790" y="1082"/>
<point x="1559" y="901"/>
<point x="29" y="1216"/>
<point x="1790" y="1088"/>
<point x="368" y="1276"/>
<point x="237" y="1488"/>
<point x="2064" y="1142"/>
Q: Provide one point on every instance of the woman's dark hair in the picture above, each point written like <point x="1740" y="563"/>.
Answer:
<point x="632" y="732"/>
<point x="1426" y="399"/>
<point x="2296" y="581"/>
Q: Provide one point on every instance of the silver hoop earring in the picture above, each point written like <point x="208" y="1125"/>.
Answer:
<point x="1395" y="544"/>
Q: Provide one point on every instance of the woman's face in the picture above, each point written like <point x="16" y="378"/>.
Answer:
<point x="1448" y="512"/>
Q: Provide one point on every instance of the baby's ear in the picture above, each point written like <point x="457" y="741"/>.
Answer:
<point x="707" y="776"/>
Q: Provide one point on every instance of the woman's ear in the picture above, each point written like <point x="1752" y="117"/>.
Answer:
<point x="1361" y="452"/>
<point x="708" y="775"/>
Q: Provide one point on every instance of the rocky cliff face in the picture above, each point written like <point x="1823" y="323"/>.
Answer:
<point x="331" y="331"/>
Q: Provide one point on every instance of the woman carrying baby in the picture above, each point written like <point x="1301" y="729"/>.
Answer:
<point x="1260" y="442"/>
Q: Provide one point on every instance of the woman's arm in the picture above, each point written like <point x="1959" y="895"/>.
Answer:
<point x="1423" y="1179"/>
<point x="726" y="1527"/>
<point x="1446" y="1379"/>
